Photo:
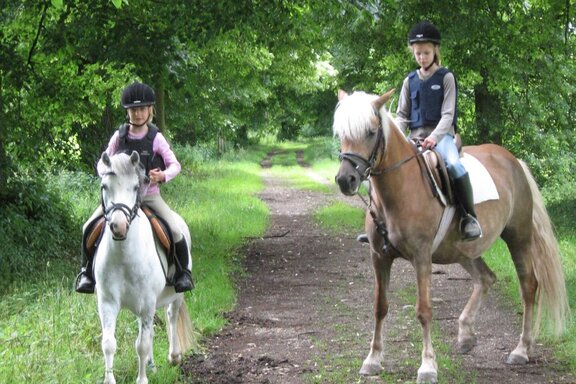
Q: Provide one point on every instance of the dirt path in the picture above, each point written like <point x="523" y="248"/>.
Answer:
<point x="304" y="312"/>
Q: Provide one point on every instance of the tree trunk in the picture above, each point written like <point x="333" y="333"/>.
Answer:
<point x="160" y="117"/>
<point x="488" y="113"/>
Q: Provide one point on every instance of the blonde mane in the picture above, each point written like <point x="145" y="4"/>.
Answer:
<point x="353" y="117"/>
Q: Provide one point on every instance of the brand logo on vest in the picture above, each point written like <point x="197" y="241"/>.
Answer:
<point x="435" y="87"/>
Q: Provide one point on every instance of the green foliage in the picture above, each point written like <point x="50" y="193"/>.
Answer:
<point x="33" y="215"/>
<point x="514" y="62"/>
<point x="236" y="71"/>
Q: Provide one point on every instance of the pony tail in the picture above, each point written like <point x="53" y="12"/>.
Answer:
<point x="187" y="336"/>
<point x="547" y="265"/>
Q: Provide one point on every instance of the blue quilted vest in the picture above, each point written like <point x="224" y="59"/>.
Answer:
<point x="426" y="98"/>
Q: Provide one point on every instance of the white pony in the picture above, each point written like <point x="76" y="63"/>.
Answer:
<point x="130" y="269"/>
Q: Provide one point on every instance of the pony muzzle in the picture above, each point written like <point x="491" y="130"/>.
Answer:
<point x="348" y="181"/>
<point x="119" y="230"/>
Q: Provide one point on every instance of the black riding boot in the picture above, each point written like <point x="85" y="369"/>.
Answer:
<point x="85" y="281"/>
<point x="183" y="277"/>
<point x="469" y="226"/>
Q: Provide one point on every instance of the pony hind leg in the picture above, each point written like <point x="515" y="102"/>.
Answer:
<point x="528" y="289"/>
<point x="172" y="313"/>
<point x="483" y="279"/>
<point x="382" y="266"/>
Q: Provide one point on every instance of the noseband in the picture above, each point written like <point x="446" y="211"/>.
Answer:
<point x="130" y="213"/>
<point x="364" y="167"/>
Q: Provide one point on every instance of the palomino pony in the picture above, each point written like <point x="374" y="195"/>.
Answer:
<point x="404" y="216"/>
<point x="130" y="269"/>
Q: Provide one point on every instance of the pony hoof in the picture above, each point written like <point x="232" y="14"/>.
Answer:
<point x="467" y="345"/>
<point x="150" y="366"/>
<point x="372" y="369"/>
<point x="427" y="378"/>
<point x="514" y="359"/>
<point x="175" y="359"/>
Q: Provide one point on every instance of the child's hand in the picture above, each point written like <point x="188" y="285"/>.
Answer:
<point x="157" y="176"/>
<point x="429" y="143"/>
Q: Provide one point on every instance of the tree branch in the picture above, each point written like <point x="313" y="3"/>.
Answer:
<point x="35" y="42"/>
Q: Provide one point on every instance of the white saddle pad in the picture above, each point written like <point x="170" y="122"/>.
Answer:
<point x="482" y="183"/>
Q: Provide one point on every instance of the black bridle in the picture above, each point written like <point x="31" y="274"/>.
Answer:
<point x="130" y="213"/>
<point x="365" y="167"/>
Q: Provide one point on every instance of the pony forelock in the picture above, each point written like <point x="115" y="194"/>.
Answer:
<point x="122" y="166"/>
<point x="353" y="115"/>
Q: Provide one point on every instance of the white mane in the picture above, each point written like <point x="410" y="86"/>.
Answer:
<point x="353" y="116"/>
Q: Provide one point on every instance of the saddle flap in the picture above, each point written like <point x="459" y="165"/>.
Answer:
<point x="94" y="233"/>
<point x="159" y="228"/>
<point x="437" y="170"/>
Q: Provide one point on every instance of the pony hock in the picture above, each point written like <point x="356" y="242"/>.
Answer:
<point x="404" y="215"/>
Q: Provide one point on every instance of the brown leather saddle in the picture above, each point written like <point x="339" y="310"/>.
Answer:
<point x="160" y="228"/>
<point x="437" y="172"/>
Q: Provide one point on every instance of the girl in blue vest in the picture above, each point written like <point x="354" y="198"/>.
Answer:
<point x="427" y="107"/>
<point x="161" y="166"/>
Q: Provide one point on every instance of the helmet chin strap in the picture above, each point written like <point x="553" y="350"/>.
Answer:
<point x="430" y="66"/>
<point x="137" y="125"/>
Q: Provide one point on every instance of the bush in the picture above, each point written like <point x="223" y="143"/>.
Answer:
<point x="35" y="228"/>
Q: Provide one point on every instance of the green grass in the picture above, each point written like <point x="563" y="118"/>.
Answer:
<point x="340" y="217"/>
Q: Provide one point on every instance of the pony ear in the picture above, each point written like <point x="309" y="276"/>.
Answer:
<point x="135" y="158"/>
<point x="378" y="103"/>
<point x="341" y="94"/>
<point x="106" y="159"/>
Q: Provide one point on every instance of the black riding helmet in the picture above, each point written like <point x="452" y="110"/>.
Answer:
<point x="424" y="32"/>
<point x="137" y="95"/>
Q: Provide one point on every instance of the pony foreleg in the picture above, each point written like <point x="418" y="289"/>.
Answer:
<point x="144" y="346"/>
<point x="428" y="371"/>
<point x="483" y="278"/>
<point x="108" y="317"/>
<point x="382" y="265"/>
